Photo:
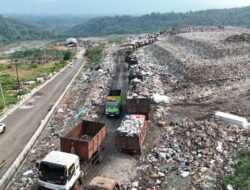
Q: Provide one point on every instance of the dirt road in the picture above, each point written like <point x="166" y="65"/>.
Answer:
<point x="115" y="164"/>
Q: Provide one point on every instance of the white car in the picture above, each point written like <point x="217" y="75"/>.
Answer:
<point x="2" y="128"/>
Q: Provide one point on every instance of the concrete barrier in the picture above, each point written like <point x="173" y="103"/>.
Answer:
<point x="19" y="160"/>
<point x="232" y="119"/>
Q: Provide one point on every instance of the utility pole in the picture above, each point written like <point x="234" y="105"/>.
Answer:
<point x="2" y="95"/>
<point x="17" y="75"/>
<point x="44" y="47"/>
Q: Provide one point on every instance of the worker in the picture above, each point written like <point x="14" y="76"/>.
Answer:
<point x="133" y="86"/>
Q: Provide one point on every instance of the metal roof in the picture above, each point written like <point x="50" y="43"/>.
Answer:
<point x="60" y="158"/>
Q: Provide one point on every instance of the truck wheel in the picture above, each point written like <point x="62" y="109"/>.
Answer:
<point x="100" y="156"/>
<point x="4" y="129"/>
<point x="80" y="180"/>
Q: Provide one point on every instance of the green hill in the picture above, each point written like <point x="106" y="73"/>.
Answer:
<point x="59" y="24"/>
<point x="16" y="30"/>
<point x="156" y="21"/>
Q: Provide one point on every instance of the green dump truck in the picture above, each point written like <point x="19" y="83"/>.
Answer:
<point x="113" y="103"/>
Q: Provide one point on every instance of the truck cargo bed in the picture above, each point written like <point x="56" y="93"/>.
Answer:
<point x="84" y="140"/>
<point x="138" y="105"/>
<point x="114" y="93"/>
<point x="131" y="144"/>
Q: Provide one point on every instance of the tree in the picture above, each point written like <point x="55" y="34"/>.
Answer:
<point x="67" y="55"/>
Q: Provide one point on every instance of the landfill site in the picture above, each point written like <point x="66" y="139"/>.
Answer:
<point x="160" y="112"/>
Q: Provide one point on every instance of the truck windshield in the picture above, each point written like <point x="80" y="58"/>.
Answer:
<point x="111" y="105"/>
<point x="52" y="173"/>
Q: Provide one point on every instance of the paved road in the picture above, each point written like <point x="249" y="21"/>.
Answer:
<point x="23" y="122"/>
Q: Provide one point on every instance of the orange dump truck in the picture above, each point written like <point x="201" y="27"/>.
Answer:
<point x="85" y="140"/>
<point x="80" y="149"/>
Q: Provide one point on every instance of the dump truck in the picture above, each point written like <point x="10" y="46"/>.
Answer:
<point x="137" y="104"/>
<point x="113" y="103"/>
<point x="80" y="149"/>
<point x="135" y="72"/>
<point x="103" y="183"/>
<point x="132" y="60"/>
<point x="130" y="136"/>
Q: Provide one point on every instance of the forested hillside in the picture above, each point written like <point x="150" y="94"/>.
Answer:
<point x="156" y="21"/>
<point x="42" y="27"/>
<point x="56" y="23"/>
<point x="15" y="30"/>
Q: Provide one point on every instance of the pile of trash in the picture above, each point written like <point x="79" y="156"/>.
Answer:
<point x="189" y="63"/>
<point x="147" y="81"/>
<point x="193" y="149"/>
<point x="86" y="137"/>
<point x="131" y="125"/>
<point x="244" y="37"/>
<point x="101" y="79"/>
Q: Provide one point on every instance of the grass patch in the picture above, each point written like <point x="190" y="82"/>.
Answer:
<point x="8" y="82"/>
<point x="3" y="67"/>
<point x="56" y="60"/>
<point x="94" y="54"/>
<point x="241" y="178"/>
<point x="42" y="70"/>
<point x="38" y="53"/>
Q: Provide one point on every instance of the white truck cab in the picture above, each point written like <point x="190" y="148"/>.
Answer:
<point x="59" y="171"/>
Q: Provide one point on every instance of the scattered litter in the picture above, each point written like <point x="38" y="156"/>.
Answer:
<point x="161" y="99"/>
<point x="185" y="174"/>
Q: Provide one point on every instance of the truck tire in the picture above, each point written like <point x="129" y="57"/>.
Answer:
<point x="4" y="129"/>
<point x="100" y="156"/>
<point x="80" y="180"/>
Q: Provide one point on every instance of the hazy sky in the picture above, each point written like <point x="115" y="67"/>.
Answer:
<point x="109" y="7"/>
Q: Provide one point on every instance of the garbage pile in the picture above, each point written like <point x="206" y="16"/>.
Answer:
<point x="131" y="125"/>
<point x="214" y="44"/>
<point x="193" y="62"/>
<point x="150" y="75"/>
<point x="101" y="79"/>
<point x="85" y="43"/>
<point x="192" y="149"/>
<point x="244" y="37"/>
<point x="86" y="137"/>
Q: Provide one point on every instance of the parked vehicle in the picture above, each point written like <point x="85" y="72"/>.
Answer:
<point x="132" y="60"/>
<point x="80" y="149"/>
<point x="103" y="183"/>
<point x="135" y="72"/>
<point x="113" y="103"/>
<point x="130" y="136"/>
<point x="2" y="128"/>
<point x="137" y="104"/>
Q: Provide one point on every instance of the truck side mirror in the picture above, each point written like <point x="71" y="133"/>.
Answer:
<point x="68" y="177"/>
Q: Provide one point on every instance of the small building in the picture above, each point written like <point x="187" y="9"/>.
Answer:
<point x="71" y="42"/>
